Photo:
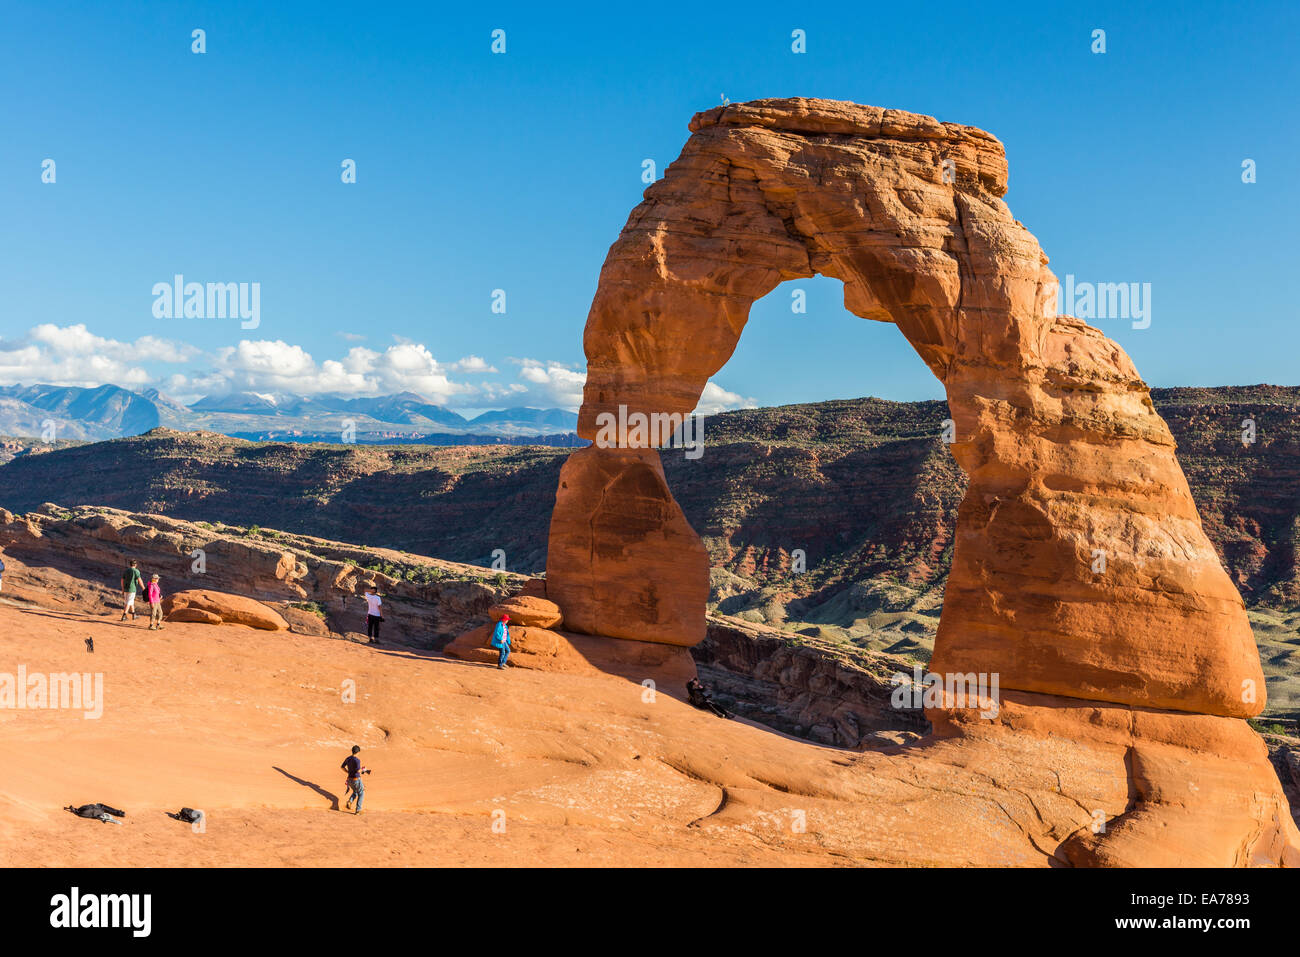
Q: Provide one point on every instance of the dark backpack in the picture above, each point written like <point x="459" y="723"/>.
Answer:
<point x="189" y="815"/>
<point x="96" y="810"/>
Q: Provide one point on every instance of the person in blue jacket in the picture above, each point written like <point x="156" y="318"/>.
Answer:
<point x="501" y="639"/>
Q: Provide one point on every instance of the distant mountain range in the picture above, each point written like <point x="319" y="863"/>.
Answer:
<point x="109" y="412"/>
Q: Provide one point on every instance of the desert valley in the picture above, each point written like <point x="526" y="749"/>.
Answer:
<point x="244" y="712"/>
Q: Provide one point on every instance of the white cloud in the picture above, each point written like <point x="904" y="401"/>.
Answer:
<point x="553" y="384"/>
<point x="187" y="388"/>
<point x="264" y="360"/>
<point x="717" y="399"/>
<point x="67" y="341"/>
<point x="163" y="350"/>
<point x="550" y="384"/>
<point x="70" y="340"/>
<point x="471" y="364"/>
<point x="277" y="366"/>
<point x="73" y="355"/>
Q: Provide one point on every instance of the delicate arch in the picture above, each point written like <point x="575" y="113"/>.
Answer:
<point x="1066" y="455"/>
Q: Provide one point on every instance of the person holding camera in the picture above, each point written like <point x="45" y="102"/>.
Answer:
<point x="352" y="766"/>
<point x="374" y="613"/>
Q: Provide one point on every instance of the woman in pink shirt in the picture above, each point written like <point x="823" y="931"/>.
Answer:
<point x="153" y="592"/>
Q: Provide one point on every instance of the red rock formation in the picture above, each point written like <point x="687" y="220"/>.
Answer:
<point x="528" y="610"/>
<point x="215" y="608"/>
<point x="1080" y="570"/>
<point x="1065" y="452"/>
<point x="80" y="553"/>
<point x="629" y="564"/>
<point x="810" y="688"/>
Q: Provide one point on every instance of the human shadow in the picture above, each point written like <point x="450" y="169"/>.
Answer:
<point x="84" y="617"/>
<point x="411" y="653"/>
<point x="334" y="801"/>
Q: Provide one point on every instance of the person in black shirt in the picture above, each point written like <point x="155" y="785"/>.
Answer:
<point x="352" y="766"/>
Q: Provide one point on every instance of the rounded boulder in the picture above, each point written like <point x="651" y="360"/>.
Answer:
<point x="528" y="611"/>
<point x="215" y="607"/>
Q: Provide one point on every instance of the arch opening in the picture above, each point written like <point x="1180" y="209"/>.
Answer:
<point x="826" y="512"/>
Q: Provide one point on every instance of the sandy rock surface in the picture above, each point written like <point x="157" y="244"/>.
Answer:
<point x="582" y="769"/>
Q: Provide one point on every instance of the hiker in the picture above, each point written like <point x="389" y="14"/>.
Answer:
<point x="352" y="766"/>
<point x="501" y="639"/>
<point x="701" y="699"/>
<point x="2" y="574"/>
<point x="374" y="613"/>
<point x="131" y="583"/>
<point x="154" y="594"/>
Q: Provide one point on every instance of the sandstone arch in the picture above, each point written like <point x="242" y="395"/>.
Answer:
<point x="1065" y="453"/>
<point x="1064" y="450"/>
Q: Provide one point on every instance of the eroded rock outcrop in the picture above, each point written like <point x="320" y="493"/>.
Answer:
<point x="216" y="608"/>
<point x="79" y="553"/>
<point x="1081" y="574"/>
<point x="630" y="565"/>
<point x="529" y="610"/>
<point x="805" y="686"/>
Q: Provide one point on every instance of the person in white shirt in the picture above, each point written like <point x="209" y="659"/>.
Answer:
<point x="374" y="613"/>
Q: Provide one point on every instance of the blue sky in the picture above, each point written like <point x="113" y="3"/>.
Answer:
<point x="478" y="172"/>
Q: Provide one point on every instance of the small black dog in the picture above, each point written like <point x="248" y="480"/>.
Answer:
<point x="90" y="645"/>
